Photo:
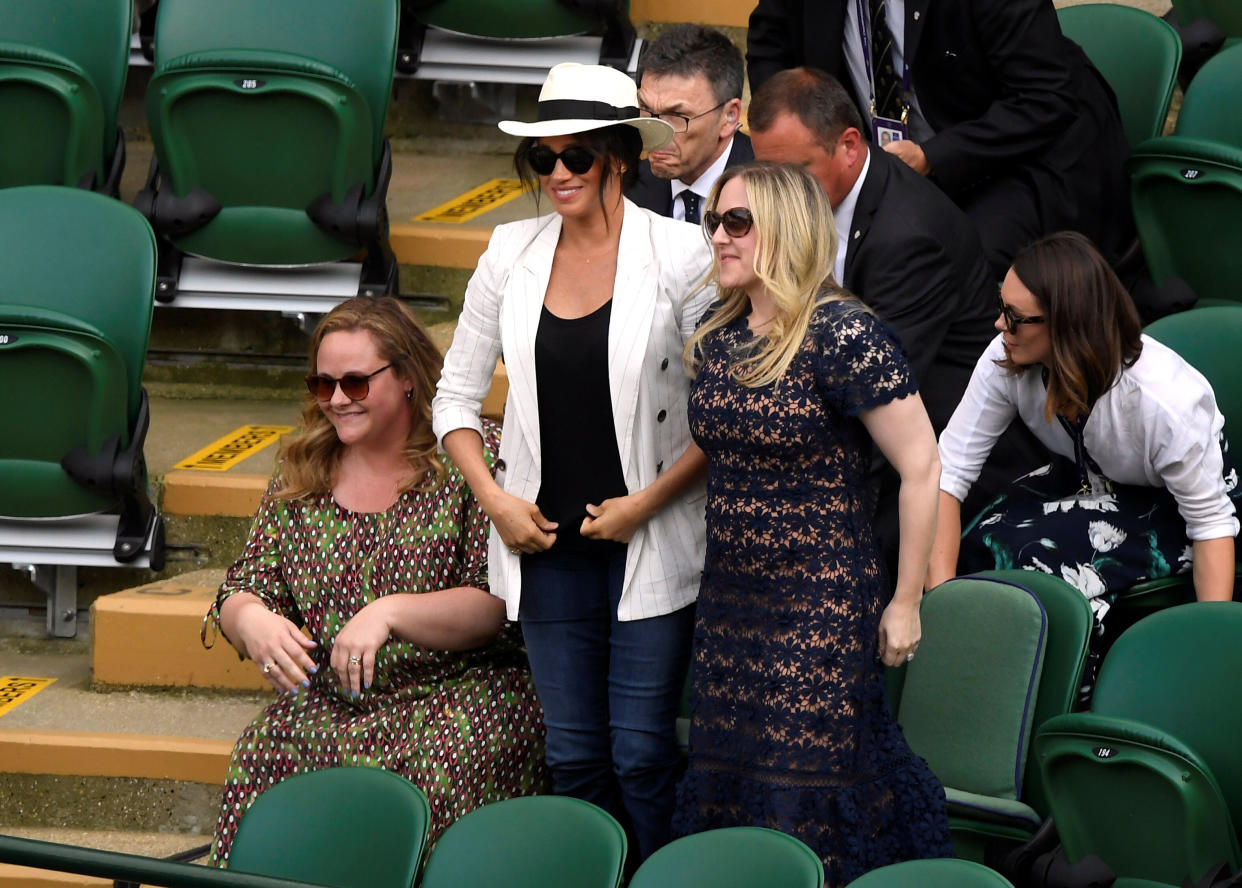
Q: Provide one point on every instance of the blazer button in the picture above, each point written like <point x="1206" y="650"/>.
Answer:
<point x="661" y="416"/>
<point x="659" y="466"/>
<point x="500" y="465"/>
<point x="664" y="364"/>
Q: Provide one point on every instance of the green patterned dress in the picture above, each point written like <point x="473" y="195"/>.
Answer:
<point x="464" y="726"/>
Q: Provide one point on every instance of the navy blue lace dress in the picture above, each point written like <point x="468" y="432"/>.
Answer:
<point x="790" y="726"/>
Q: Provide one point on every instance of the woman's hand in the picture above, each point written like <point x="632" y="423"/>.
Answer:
<point x="900" y="631"/>
<point x="614" y="519"/>
<point x="353" y="653"/>
<point x="275" y="644"/>
<point x="522" y="527"/>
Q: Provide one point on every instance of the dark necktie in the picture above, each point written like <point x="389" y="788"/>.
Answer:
<point x="887" y="83"/>
<point x="692" y="201"/>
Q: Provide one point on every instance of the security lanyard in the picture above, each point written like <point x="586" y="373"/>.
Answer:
<point x="864" y="32"/>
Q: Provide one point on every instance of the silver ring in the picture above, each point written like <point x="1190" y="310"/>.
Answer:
<point x="267" y="667"/>
<point x="355" y="660"/>
<point x="909" y="656"/>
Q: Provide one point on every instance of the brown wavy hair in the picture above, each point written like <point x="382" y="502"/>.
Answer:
<point x="1093" y="327"/>
<point x="308" y="460"/>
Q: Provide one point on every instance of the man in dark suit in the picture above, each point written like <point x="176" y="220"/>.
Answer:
<point x="691" y="77"/>
<point x="1006" y="114"/>
<point x="904" y="248"/>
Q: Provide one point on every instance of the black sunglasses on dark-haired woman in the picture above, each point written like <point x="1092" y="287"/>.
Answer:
<point x="542" y="159"/>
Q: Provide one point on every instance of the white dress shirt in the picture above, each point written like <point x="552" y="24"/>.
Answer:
<point x="702" y="186"/>
<point x="843" y="218"/>
<point x="1158" y="426"/>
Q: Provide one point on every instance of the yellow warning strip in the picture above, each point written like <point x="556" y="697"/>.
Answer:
<point x="474" y="202"/>
<point x="17" y="689"/>
<point x="221" y="455"/>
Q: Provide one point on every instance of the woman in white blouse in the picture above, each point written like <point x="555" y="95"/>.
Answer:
<point x="1140" y="481"/>
<point x="596" y="502"/>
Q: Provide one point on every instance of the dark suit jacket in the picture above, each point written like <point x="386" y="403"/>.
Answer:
<point x="1006" y="93"/>
<point x="653" y="193"/>
<point x="915" y="259"/>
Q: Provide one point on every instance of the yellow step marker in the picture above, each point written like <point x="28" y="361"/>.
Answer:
<point x="17" y="689"/>
<point x="222" y="455"/>
<point x="474" y="202"/>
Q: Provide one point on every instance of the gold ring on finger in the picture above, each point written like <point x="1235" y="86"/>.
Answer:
<point x="267" y="667"/>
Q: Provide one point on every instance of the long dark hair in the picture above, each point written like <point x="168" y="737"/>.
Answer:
<point x="1093" y="327"/>
<point x="619" y="145"/>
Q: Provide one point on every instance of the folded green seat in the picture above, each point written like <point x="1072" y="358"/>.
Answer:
<point x="62" y="76"/>
<point x="1150" y="780"/>
<point x="268" y="124"/>
<point x="76" y="281"/>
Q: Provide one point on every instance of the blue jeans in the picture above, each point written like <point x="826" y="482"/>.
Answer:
<point x="610" y="690"/>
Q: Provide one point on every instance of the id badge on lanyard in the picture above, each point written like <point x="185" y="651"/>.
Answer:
<point x="883" y="129"/>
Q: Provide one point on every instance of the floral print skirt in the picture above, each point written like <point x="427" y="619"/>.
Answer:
<point x="1101" y="541"/>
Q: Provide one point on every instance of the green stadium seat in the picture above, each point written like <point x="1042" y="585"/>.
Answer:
<point x="736" y="857"/>
<point x="1137" y="53"/>
<point x="1150" y="780"/>
<point x="1210" y="109"/>
<point x="972" y="724"/>
<point x="62" y="75"/>
<point x="268" y="125"/>
<point x="530" y="842"/>
<point x="1187" y="199"/>
<point x="76" y="277"/>
<point x="938" y="873"/>
<point x="339" y="827"/>
<point x="513" y="41"/>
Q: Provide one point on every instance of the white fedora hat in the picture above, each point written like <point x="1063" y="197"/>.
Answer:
<point x="576" y="98"/>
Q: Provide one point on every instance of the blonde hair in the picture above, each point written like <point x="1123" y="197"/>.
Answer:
<point x="795" y="249"/>
<point x="309" y="459"/>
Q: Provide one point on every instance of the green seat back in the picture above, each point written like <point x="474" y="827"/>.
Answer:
<point x="1180" y="671"/>
<point x="93" y="36"/>
<point x="1187" y="199"/>
<point x="1070" y="624"/>
<point x="737" y="857"/>
<point x="1208" y="339"/>
<point x="77" y="277"/>
<point x="512" y="19"/>
<point x="936" y="873"/>
<point x="1226" y="14"/>
<point x="1159" y="750"/>
<point x="1210" y="109"/>
<point x="267" y="107"/>
<point x="968" y="703"/>
<point x="529" y="842"/>
<point x="340" y="827"/>
<point x="1137" y="53"/>
<point x="1135" y="796"/>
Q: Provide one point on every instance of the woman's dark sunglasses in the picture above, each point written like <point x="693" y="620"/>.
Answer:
<point x="1013" y="320"/>
<point x="542" y="159"/>
<point x="737" y="221"/>
<point x="356" y="386"/>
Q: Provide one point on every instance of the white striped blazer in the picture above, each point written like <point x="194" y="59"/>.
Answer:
<point x="656" y="305"/>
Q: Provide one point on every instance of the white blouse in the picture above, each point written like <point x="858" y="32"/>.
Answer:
<point x="1158" y="426"/>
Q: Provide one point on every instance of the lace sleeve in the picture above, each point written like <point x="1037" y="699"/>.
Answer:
<point x="861" y="364"/>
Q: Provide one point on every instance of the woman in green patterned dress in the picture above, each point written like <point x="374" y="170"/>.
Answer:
<point x="374" y="545"/>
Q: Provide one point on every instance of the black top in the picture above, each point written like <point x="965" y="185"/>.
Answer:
<point x="581" y="463"/>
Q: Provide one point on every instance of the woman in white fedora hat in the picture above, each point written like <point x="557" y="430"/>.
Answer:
<point x="596" y="499"/>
